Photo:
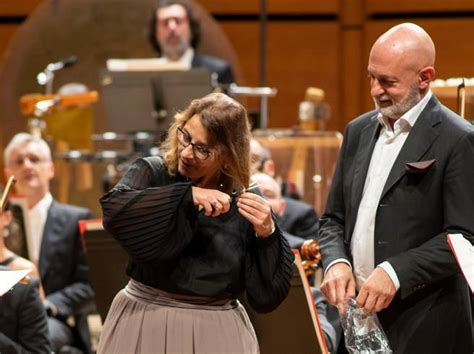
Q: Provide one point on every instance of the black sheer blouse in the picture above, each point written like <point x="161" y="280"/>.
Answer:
<point x="177" y="249"/>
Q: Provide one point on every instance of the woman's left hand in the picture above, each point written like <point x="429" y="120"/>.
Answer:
<point x="257" y="211"/>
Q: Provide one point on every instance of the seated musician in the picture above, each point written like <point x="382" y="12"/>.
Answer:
<point x="328" y="315"/>
<point x="7" y="257"/>
<point x="175" y="34"/>
<point x="23" y="325"/>
<point x="56" y="244"/>
<point x="295" y="216"/>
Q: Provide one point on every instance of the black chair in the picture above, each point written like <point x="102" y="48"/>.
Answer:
<point x="107" y="263"/>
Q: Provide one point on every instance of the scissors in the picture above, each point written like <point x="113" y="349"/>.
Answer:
<point x="235" y="194"/>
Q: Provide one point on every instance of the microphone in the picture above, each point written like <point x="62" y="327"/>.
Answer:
<point x="63" y="63"/>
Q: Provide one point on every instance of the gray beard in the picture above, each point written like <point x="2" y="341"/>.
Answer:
<point x="397" y="109"/>
<point x="174" y="52"/>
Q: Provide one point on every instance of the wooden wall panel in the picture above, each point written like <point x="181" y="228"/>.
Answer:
<point x="299" y="54"/>
<point x="303" y="7"/>
<point x="274" y="6"/>
<point x="351" y="102"/>
<point x="244" y="37"/>
<point x="426" y="6"/>
<point x="17" y="7"/>
<point x="453" y="41"/>
<point x="302" y="54"/>
<point x="6" y="32"/>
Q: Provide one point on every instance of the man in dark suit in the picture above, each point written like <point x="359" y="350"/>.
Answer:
<point x="300" y="218"/>
<point x="403" y="181"/>
<point x="55" y="244"/>
<point x="175" y="34"/>
<point x="23" y="325"/>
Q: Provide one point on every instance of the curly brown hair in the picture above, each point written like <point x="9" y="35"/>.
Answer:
<point x="228" y="129"/>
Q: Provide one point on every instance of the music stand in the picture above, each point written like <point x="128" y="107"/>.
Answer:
<point x="148" y="100"/>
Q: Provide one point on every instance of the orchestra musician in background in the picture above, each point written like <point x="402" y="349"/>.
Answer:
<point x="175" y="33"/>
<point x="23" y="324"/>
<point x="8" y="258"/>
<point x="295" y="216"/>
<point x="55" y="241"/>
<point x="327" y="314"/>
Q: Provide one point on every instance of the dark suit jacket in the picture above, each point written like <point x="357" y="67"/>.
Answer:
<point x="62" y="266"/>
<point x="418" y="207"/>
<point x="215" y="65"/>
<point x="300" y="219"/>
<point x="23" y="325"/>
<point x="298" y="223"/>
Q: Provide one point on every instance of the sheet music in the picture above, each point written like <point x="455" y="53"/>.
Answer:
<point x="8" y="278"/>
<point x="464" y="252"/>
<point x="151" y="64"/>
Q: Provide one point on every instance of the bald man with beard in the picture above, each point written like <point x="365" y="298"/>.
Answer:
<point x="403" y="181"/>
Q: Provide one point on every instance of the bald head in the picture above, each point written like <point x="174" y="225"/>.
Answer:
<point x="401" y="67"/>
<point x="407" y="41"/>
<point x="267" y="183"/>
<point x="260" y="158"/>
<point x="271" y="191"/>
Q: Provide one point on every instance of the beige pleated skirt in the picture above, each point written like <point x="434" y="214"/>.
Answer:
<point x="143" y="319"/>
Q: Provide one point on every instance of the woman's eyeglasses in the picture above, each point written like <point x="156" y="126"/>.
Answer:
<point x="200" y="151"/>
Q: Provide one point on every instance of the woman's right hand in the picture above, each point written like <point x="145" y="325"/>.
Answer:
<point x="213" y="202"/>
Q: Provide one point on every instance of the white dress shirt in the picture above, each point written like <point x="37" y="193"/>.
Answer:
<point x="386" y="151"/>
<point x="185" y="60"/>
<point x="36" y="218"/>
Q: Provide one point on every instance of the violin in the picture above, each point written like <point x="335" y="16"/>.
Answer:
<point x="6" y="192"/>
<point x="311" y="256"/>
<point x="3" y="205"/>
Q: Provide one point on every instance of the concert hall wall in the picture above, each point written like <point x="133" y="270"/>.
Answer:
<point x="317" y="43"/>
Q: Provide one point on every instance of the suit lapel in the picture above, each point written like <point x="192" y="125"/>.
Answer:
<point x="368" y="138"/>
<point x="196" y="62"/>
<point x="421" y="137"/>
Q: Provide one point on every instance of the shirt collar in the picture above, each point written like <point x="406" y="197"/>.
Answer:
<point x="185" y="60"/>
<point x="410" y="117"/>
<point x="43" y="204"/>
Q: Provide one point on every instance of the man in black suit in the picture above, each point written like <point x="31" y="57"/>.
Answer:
<point x="300" y="218"/>
<point x="23" y="325"/>
<point x="403" y="181"/>
<point x="175" y="34"/>
<point x="55" y="247"/>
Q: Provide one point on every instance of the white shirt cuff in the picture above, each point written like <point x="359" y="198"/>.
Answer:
<point x="387" y="267"/>
<point x="339" y="260"/>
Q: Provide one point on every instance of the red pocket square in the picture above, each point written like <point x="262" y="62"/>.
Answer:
<point x="419" y="166"/>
